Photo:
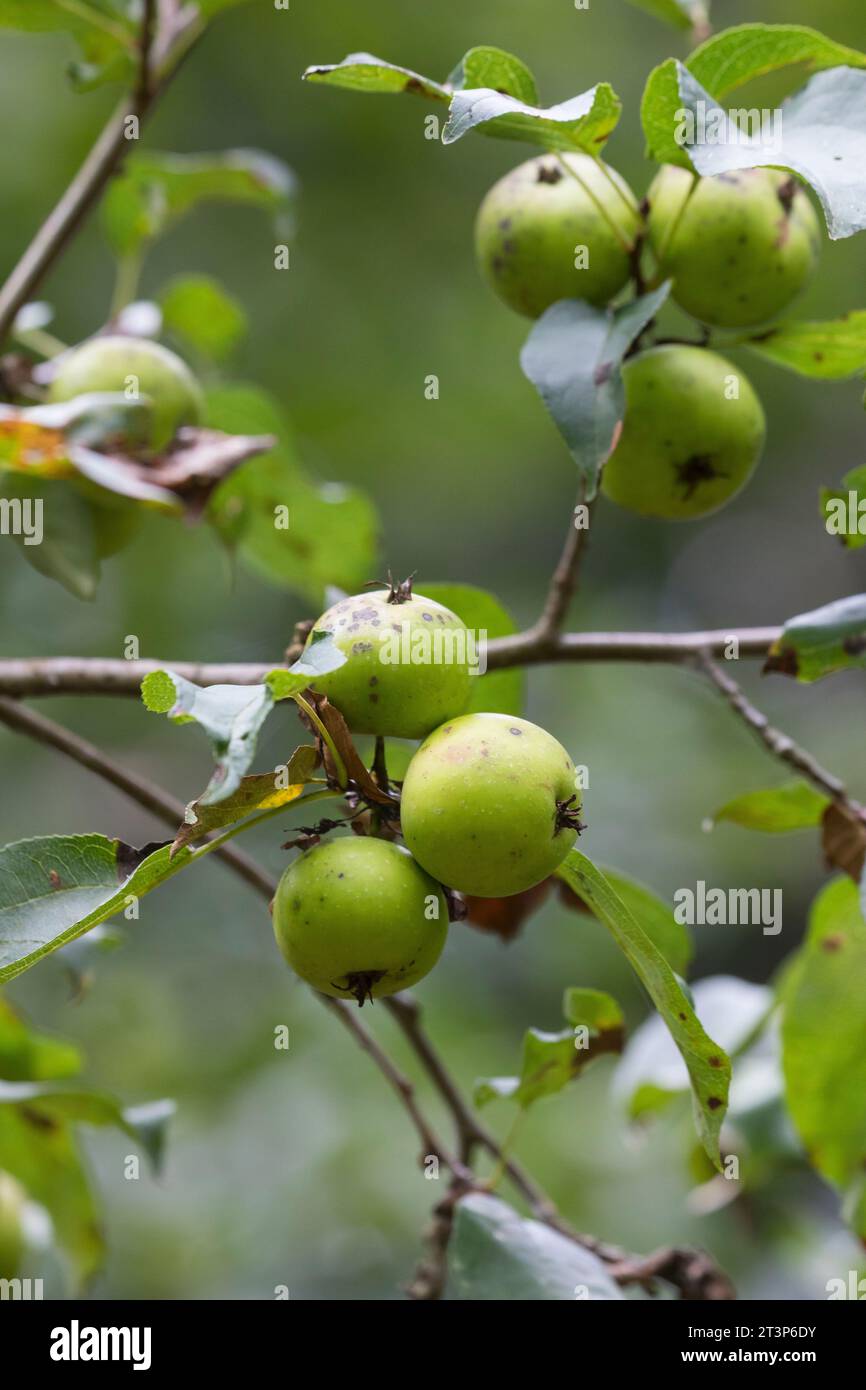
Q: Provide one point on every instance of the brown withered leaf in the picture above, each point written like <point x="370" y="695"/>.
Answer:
<point x="258" y="792"/>
<point x="198" y="459"/>
<point x="339" y="732"/>
<point x="103" y="437"/>
<point x="843" y="840"/>
<point x="504" y="917"/>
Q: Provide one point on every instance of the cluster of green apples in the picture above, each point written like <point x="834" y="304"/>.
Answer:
<point x="486" y="809"/>
<point x="738" y="247"/>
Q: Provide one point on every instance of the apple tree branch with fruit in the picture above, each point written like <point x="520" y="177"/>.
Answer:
<point x="489" y="814"/>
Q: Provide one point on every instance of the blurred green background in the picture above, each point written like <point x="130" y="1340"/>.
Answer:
<point x="299" y="1168"/>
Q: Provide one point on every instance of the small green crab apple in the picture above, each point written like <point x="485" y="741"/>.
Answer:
<point x="692" y="434"/>
<point x="356" y="917"/>
<point x="409" y="662"/>
<point x="556" y="229"/>
<point x="489" y="805"/>
<point x="12" y="1201"/>
<point x="739" y="246"/>
<point x="133" y="367"/>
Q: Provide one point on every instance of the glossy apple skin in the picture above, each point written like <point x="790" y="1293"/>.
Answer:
<point x="400" y="698"/>
<point x="740" y="247"/>
<point x="479" y="804"/>
<point x="120" y="364"/>
<point x="359" y="907"/>
<point x="687" y="445"/>
<point x="532" y="221"/>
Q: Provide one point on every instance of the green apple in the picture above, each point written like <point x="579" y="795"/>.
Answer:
<point x="488" y="805"/>
<point x="134" y="367"/>
<point x="544" y="233"/>
<point x="740" y="247"/>
<point x="357" y="918"/>
<point x="408" y="663"/>
<point x="692" y="434"/>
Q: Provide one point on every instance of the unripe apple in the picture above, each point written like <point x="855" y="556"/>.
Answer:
<point x="740" y="247"/>
<point x="489" y="805"/>
<point x="692" y="434"/>
<point x="539" y="223"/>
<point x="407" y="667"/>
<point x="358" y="918"/>
<point x="133" y="367"/>
<point x="12" y="1202"/>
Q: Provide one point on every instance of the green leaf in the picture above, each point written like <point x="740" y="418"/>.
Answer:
<point x="573" y="357"/>
<point x="209" y="8"/>
<point x="592" y="1009"/>
<point x="583" y="123"/>
<point x="654" y="917"/>
<point x="793" y="806"/>
<point x="28" y="1056"/>
<point x="725" y="62"/>
<point x="363" y="72"/>
<point x="230" y="715"/>
<point x="331" y="537"/>
<point x="682" y="14"/>
<point x="844" y="509"/>
<point x="820" y="135"/>
<point x="708" y="1068"/>
<point x="47" y="1161"/>
<point x="495" y="1255"/>
<point x="813" y="645"/>
<point x="496" y="69"/>
<point x="830" y="351"/>
<point x="66" y="551"/>
<point x="652" y="1070"/>
<point x="198" y="310"/>
<point x="824" y="1036"/>
<point x="103" y="30"/>
<point x="144" y="1124"/>
<point x="551" y="1060"/>
<point x="39" y="1147"/>
<point x="496" y="692"/>
<point x="54" y="889"/>
<point x="740" y="54"/>
<point x="319" y="658"/>
<point x="155" y="190"/>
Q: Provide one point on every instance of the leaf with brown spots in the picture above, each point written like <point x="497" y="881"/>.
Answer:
<point x="709" y="1083"/>
<point x="816" y="644"/>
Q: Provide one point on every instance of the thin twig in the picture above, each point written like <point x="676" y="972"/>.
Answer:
<point x="780" y="744"/>
<point x="72" y="675"/>
<point x="160" y="803"/>
<point x="104" y="160"/>
<point x="564" y="581"/>
<point x="471" y="1133"/>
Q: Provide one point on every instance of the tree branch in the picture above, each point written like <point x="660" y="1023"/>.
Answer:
<point x="70" y="675"/>
<point x="104" y="159"/>
<point x="407" y="1013"/>
<point x="564" y="581"/>
<point x="160" y="803"/>
<point x="779" y="744"/>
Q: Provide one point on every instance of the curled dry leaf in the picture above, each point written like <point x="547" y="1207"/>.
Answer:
<point x="342" y="739"/>
<point x="91" y="437"/>
<point x="260" y="792"/>
<point x="843" y="840"/>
